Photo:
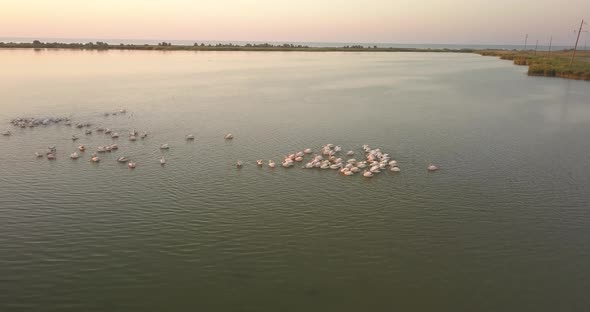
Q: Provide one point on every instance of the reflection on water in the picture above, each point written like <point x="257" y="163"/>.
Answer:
<point x="506" y="214"/>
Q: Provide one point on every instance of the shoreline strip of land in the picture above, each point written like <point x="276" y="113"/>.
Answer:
<point x="540" y="63"/>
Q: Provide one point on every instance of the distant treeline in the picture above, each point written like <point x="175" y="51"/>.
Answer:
<point x="167" y="46"/>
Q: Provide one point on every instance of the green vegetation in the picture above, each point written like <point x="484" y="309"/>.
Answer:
<point x="542" y="63"/>
<point x="166" y="46"/>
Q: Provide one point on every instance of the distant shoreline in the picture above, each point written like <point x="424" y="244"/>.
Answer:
<point x="540" y="63"/>
<point x="164" y="46"/>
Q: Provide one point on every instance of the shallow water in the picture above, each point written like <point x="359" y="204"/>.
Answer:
<point x="503" y="225"/>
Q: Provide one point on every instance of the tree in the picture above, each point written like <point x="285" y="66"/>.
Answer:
<point x="36" y="42"/>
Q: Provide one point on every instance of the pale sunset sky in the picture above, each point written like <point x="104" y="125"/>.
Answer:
<point x="382" y="21"/>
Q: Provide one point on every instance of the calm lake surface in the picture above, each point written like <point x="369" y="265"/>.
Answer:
<point x="503" y="226"/>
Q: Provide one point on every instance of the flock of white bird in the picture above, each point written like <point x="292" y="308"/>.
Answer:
<point x="330" y="156"/>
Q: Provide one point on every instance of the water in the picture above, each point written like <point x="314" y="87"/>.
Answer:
<point x="503" y="225"/>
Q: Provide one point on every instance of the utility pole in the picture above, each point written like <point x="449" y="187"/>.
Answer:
<point x="550" y="42"/>
<point x="526" y="37"/>
<point x="576" y="46"/>
<point x="536" y="45"/>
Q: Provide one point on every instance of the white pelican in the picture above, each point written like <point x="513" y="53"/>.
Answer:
<point x="99" y="129"/>
<point x="228" y="136"/>
<point x="395" y="169"/>
<point x="131" y="165"/>
<point x="367" y="174"/>
<point x="271" y="164"/>
<point x="355" y="169"/>
<point x="114" y="146"/>
<point x="143" y="135"/>
<point x="122" y="159"/>
<point x="164" y="146"/>
<point x="337" y="148"/>
<point x="108" y="148"/>
<point x="307" y="151"/>
<point x="190" y="137"/>
<point x="108" y="131"/>
<point x="81" y="148"/>
<point x="287" y="163"/>
<point x="74" y="137"/>
<point x="259" y="162"/>
<point x="432" y="167"/>
<point x="50" y="156"/>
<point x="95" y="159"/>
<point x="38" y="155"/>
<point x="74" y="155"/>
<point x="101" y="149"/>
<point x="162" y="161"/>
<point x="88" y="132"/>
<point x="239" y="164"/>
<point x="393" y="163"/>
<point x="299" y="159"/>
<point x="114" y="135"/>
<point x="132" y="138"/>
<point x="349" y="153"/>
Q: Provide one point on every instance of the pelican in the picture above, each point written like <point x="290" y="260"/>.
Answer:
<point x="122" y="159"/>
<point x="88" y="132"/>
<point x="101" y="149"/>
<point x="132" y="138"/>
<point x="74" y="155"/>
<point x="133" y="132"/>
<point x="95" y="159"/>
<point x="74" y="137"/>
<point x="393" y="163"/>
<point x="367" y="174"/>
<point x="298" y="159"/>
<point x="271" y="164"/>
<point x="432" y="167"/>
<point x="38" y="155"/>
<point x="259" y="162"/>
<point x="114" y="147"/>
<point x="108" y="148"/>
<point x="349" y="153"/>
<point x="114" y="135"/>
<point x="6" y="133"/>
<point x="131" y="165"/>
<point x="164" y="146"/>
<point x="51" y="156"/>
<point x="81" y="148"/>
<point x="162" y="161"/>
<point x="239" y="164"/>
<point x="395" y="169"/>
<point x="99" y="129"/>
<point x="228" y="136"/>
<point x="190" y="137"/>
<point x="108" y="131"/>
<point x="307" y="151"/>
<point x="287" y="163"/>
<point x="143" y="135"/>
<point x="123" y="111"/>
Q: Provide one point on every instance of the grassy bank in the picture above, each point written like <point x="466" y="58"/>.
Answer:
<point x="555" y="64"/>
<point x="164" y="46"/>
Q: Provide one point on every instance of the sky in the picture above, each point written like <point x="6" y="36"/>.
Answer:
<point x="370" y="21"/>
